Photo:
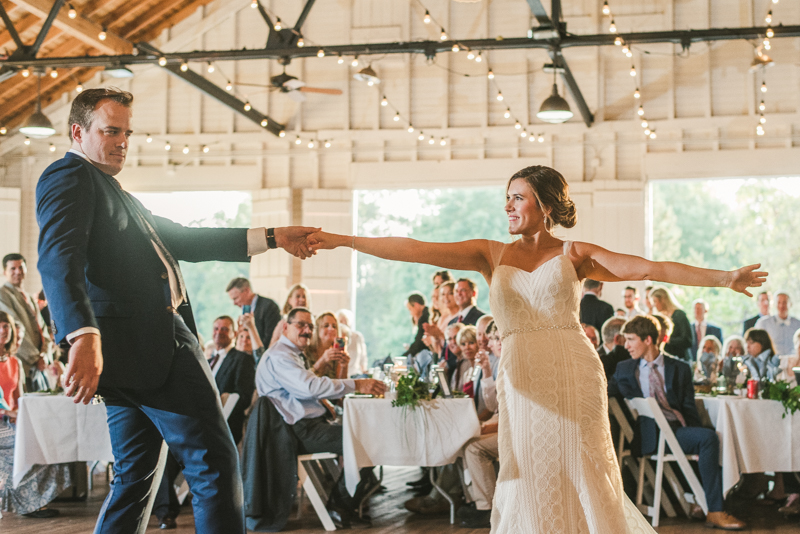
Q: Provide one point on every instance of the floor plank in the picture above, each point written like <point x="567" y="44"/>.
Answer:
<point x="389" y="516"/>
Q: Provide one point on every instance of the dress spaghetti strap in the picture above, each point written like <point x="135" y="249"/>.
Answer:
<point x="567" y="246"/>
<point x="496" y="249"/>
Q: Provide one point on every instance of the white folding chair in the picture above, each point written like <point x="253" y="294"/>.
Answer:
<point x="625" y="459"/>
<point x="648" y="407"/>
<point x="181" y="486"/>
<point x="311" y="470"/>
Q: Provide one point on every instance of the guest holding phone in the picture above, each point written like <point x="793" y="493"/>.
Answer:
<point x="323" y="355"/>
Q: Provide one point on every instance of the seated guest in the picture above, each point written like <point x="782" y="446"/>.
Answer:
<point x="322" y="355"/>
<point x="440" y="277"/>
<point x="248" y="340"/>
<point x="454" y="350"/>
<point x="298" y="297"/>
<point x="419" y="318"/>
<point x="466" y="295"/>
<point x="665" y="330"/>
<point x="264" y="310"/>
<point x="594" y="311"/>
<point x="764" y="299"/>
<point x="356" y="346"/>
<point x="42" y="483"/>
<point x="613" y="350"/>
<point x="728" y="366"/>
<point x="680" y="341"/>
<point x="619" y="312"/>
<point x="708" y="355"/>
<point x="434" y="313"/>
<point x="434" y="333"/>
<point x="651" y="373"/>
<point x="781" y="326"/>
<point x="593" y="335"/>
<point x="630" y="298"/>
<point x="480" y="455"/>
<point x="790" y="361"/>
<point x="468" y="343"/>
<point x="298" y="395"/>
<point x="701" y="327"/>
<point x="761" y="360"/>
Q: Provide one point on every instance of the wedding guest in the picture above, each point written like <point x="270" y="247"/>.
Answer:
<point x="356" y="346"/>
<point x="764" y="298"/>
<point x="701" y="327"/>
<point x="42" y="483"/>
<point x="619" y="312"/>
<point x="733" y="348"/>
<point x="781" y="326"/>
<point x="664" y="329"/>
<point x="452" y="353"/>
<point x="480" y="455"/>
<point x="265" y="311"/>
<point x="680" y="341"/>
<point x="761" y="360"/>
<point x="323" y="357"/>
<point x="462" y="378"/>
<point x="613" y="350"/>
<point x="651" y="373"/>
<point x="434" y="333"/>
<point x="488" y="363"/>
<point x="440" y="277"/>
<point x="298" y="297"/>
<point x="594" y="311"/>
<point x="708" y="356"/>
<point x="593" y="334"/>
<point x="419" y="318"/>
<point x="466" y="295"/>
<point x="648" y="302"/>
<point x="630" y="298"/>
<point x="433" y="310"/>
<point x="248" y="340"/>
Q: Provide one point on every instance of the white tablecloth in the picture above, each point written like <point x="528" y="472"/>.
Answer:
<point x="52" y="429"/>
<point x="375" y="433"/>
<point x="753" y="436"/>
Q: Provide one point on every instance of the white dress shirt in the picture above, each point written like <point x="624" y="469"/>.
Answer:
<point x="644" y="374"/>
<point x="463" y="313"/>
<point x="633" y="312"/>
<point x="781" y="331"/>
<point x="256" y="244"/>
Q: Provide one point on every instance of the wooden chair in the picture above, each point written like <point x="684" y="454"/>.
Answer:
<point x="648" y="407"/>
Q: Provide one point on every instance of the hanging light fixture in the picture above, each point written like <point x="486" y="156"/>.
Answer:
<point x="367" y="74"/>
<point x="555" y="109"/>
<point x="38" y="125"/>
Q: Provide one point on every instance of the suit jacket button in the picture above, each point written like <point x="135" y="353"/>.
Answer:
<point x="164" y="276"/>
<point x="170" y="309"/>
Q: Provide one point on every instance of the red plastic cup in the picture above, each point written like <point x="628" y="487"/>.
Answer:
<point x="752" y="389"/>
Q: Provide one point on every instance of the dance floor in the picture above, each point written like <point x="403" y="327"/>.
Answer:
<point x="386" y="509"/>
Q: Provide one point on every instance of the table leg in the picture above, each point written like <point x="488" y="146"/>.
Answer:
<point x="369" y="494"/>
<point x="444" y="494"/>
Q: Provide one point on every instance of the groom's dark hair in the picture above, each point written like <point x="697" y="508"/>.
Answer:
<point x="643" y="326"/>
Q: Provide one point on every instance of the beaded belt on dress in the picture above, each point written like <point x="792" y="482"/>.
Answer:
<point x="513" y="331"/>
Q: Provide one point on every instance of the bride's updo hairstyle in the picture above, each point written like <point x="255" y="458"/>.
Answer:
<point x="552" y="193"/>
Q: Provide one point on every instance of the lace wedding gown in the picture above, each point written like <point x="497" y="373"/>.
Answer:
<point x="558" y="469"/>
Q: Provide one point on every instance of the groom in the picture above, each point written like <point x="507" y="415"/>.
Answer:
<point x="110" y="272"/>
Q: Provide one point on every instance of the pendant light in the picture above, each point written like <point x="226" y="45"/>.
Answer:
<point x="38" y="125"/>
<point x="555" y="109"/>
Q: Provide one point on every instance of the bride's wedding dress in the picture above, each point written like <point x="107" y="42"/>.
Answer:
<point x="558" y="469"/>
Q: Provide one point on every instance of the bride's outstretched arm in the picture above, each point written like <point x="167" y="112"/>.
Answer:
<point x="606" y="266"/>
<point x="470" y="255"/>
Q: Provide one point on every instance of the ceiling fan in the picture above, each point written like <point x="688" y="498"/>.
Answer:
<point x="286" y="83"/>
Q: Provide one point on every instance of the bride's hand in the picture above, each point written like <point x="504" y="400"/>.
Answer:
<point x="746" y="277"/>
<point x="328" y="241"/>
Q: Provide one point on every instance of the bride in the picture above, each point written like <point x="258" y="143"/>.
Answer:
<point x="558" y="470"/>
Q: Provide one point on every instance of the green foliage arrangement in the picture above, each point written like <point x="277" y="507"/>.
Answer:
<point x="410" y="391"/>
<point x="782" y="391"/>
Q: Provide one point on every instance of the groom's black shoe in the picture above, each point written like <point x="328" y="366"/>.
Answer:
<point x="472" y="518"/>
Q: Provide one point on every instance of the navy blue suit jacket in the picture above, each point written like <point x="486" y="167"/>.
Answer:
<point x="100" y="269"/>
<point x="711" y="330"/>
<point x="680" y="395"/>
<point x="472" y="317"/>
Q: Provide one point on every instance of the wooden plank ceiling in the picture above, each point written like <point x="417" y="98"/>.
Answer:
<point x="125" y="22"/>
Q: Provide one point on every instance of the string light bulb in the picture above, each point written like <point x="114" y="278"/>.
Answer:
<point x="625" y="49"/>
<point x="297" y="140"/>
<point x="653" y="134"/>
<point x="507" y="114"/>
<point x="282" y="133"/>
<point x="531" y="138"/>
<point x="762" y="119"/>
<point x="640" y="111"/>
<point x="52" y="147"/>
<point x="767" y="45"/>
<point x="79" y="88"/>
<point x="443" y="35"/>
<point x="184" y="66"/>
<point x="167" y="146"/>
<point x="618" y="41"/>
<point x="300" y="43"/>
<point x="759" y="130"/>
<point x="278" y="26"/>
<point x="3" y="130"/>
<point x="499" y="96"/>
<point x="768" y="18"/>
<point x="247" y="106"/>
<point x="254" y="4"/>
<point x="327" y="144"/>
<point x="26" y="72"/>
<point x="229" y="86"/>
<point x="490" y="75"/>
<point x="763" y="87"/>
<point x="540" y="138"/>
<point x="612" y="27"/>
<point x="647" y="132"/>
<point x="311" y="144"/>
<point x="629" y="53"/>
<point x="384" y="101"/>
<point x="431" y="140"/>
<point x="54" y="73"/>
<point x="770" y="32"/>
<point x="455" y="48"/>
<point x="205" y="149"/>
<point x="27" y="141"/>
<point x="162" y="61"/>
<point x="410" y="129"/>
<point x="396" y="117"/>
<point x="637" y="94"/>
<point x="427" y="18"/>
<point x="633" y="71"/>
<point x="471" y="55"/>
<point x="354" y="63"/>
<point x="644" y="123"/>
<point x="523" y="134"/>
<point x="340" y="60"/>
<point x="517" y="125"/>
<point x="149" y="139"/>
<point x="185" y="149"/>
<point x="421" y="136"/>
<point x="72" y="13"/>
<point x="320" y="53"/>
<point x="443" y="142"/>
<point x="210" y="68"/>
<point x="478" y="58"/>
<point x="762" y="106"/>
<point x="102" y="35"/>
<point x="264" y="123"/>
<point x="606" y="9"/>
<point x="775" y="1"/>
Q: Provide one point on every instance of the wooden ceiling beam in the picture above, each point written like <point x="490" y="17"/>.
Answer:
<point x="22" y="25"/>
<point x="150" y="18"/>
<point x="70" y="47"/>
<point x="178" y="16"/>
<point x="80" y="28"/>
<point x="125" y="14"/>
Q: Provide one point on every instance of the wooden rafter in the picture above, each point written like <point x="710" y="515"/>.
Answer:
<point x="22" y="25"/>
<point x="150" y="18"/>
<point x="14" y="85"/>
<point x="80" y="28"/>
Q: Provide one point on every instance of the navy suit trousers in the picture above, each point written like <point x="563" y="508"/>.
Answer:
<point x="187" y="414"/>
<point x="705" y="443"/>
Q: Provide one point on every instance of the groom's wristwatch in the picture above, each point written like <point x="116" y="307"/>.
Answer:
<point x="271" y="238"/>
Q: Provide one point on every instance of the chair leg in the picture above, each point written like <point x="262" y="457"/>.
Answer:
<point x="316" y="500"/>
<point x="658" y="481"/>
<point x="640" y="485"/>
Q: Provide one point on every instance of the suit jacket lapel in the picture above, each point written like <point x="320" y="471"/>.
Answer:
<point x="636" y="386"/>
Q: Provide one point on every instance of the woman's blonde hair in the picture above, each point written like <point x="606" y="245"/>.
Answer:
<point x="468" y="333"/>
<point x="730" y="341"/>
<point x="313" y="347"/>
<point x="12" y="341"/>
<point x="288" y="307"/>
<point x="666" y="298"/>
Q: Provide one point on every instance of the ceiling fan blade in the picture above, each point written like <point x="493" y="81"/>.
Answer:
<point x="297" y="97"/>
<point x="307" y="89"/>
<point x="294" y="83"/>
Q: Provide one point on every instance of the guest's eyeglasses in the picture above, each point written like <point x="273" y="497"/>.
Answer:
<point x="302" y="325"/>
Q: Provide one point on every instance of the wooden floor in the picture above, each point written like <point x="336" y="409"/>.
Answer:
<point x="388" y="516"/>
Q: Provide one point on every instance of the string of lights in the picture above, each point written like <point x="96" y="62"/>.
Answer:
<point x="764" y="61"/>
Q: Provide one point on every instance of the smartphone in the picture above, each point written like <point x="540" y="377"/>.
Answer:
<point x="246" y="308"/>
<point x="339" y="343"/>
